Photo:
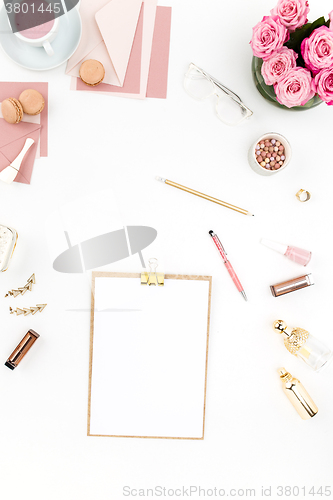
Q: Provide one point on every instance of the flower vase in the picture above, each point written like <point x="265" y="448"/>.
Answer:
<point x="267" y="91"/>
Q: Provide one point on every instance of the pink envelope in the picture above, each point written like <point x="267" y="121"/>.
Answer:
<point x="118" y="20"/>
<point x="14" y="89"/>
<point x="132" y="78"/>
<point x="12" y="139"/>
<point x="30" y="119"/>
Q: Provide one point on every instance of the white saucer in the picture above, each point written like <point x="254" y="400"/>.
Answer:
<point x="66" y="43"/>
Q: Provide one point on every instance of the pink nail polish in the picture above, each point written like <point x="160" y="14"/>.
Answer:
<point x="293" y="253"/>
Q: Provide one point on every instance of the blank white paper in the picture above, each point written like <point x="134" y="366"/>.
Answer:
<point x="149" y="358"/>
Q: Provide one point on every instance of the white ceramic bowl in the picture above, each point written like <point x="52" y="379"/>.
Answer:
<point x="256" y="167"/>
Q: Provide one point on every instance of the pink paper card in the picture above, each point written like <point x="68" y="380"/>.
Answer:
<point x="14" y="89"/>
<point x="132" y="77"/>
<point x="159" y="62"/>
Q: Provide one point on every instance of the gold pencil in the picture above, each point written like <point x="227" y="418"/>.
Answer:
<point x="204" y="196"/>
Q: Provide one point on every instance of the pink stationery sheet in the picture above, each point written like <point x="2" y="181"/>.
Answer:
<point x="12" y="140"/>
<point x="14" y="89"/>
<point x="159" y="62"/>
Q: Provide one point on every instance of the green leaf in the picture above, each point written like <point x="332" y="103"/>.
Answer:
<point x="297" y="36"/>
<point x="316" y="24"/>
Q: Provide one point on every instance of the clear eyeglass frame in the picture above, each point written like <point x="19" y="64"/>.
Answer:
<point x="218" y="90"/>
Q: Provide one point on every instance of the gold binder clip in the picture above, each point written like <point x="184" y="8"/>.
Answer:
<point x="152" y="277"/>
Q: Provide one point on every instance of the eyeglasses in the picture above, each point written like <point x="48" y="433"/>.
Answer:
<point x="229" y="107"/>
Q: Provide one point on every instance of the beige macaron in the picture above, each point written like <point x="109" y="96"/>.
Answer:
<point x="32" y="102"/>
<point x="92" y="72"/>
<point x="12" y="110"/>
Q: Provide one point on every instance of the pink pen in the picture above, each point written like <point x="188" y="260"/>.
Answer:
<point x="229" y="267"/>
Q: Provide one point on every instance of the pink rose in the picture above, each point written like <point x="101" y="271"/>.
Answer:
<point x="317" y="50"/>
<point x="292" y="13"/>
<point x="278" y="65"/>
<point x="295" y="88"/>
<point x="268" y="36"/>
<point x="323" y="85"/>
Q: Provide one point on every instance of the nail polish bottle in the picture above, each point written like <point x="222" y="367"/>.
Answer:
<point x="297" y="395"/>
<point x="302" y="344"/>
<point x="293" y="253"/>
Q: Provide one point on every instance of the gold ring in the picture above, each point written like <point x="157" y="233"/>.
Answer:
<point x="303" y="195"/>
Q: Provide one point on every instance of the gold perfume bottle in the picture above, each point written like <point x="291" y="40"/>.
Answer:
<point x="303" y="345"/>
<point x="297" y="395"/>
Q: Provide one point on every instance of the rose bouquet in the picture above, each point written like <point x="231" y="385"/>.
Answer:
<point x="295" y="57"/>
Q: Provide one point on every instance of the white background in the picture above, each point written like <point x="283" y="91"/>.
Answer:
<point x="253" y="435"/>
